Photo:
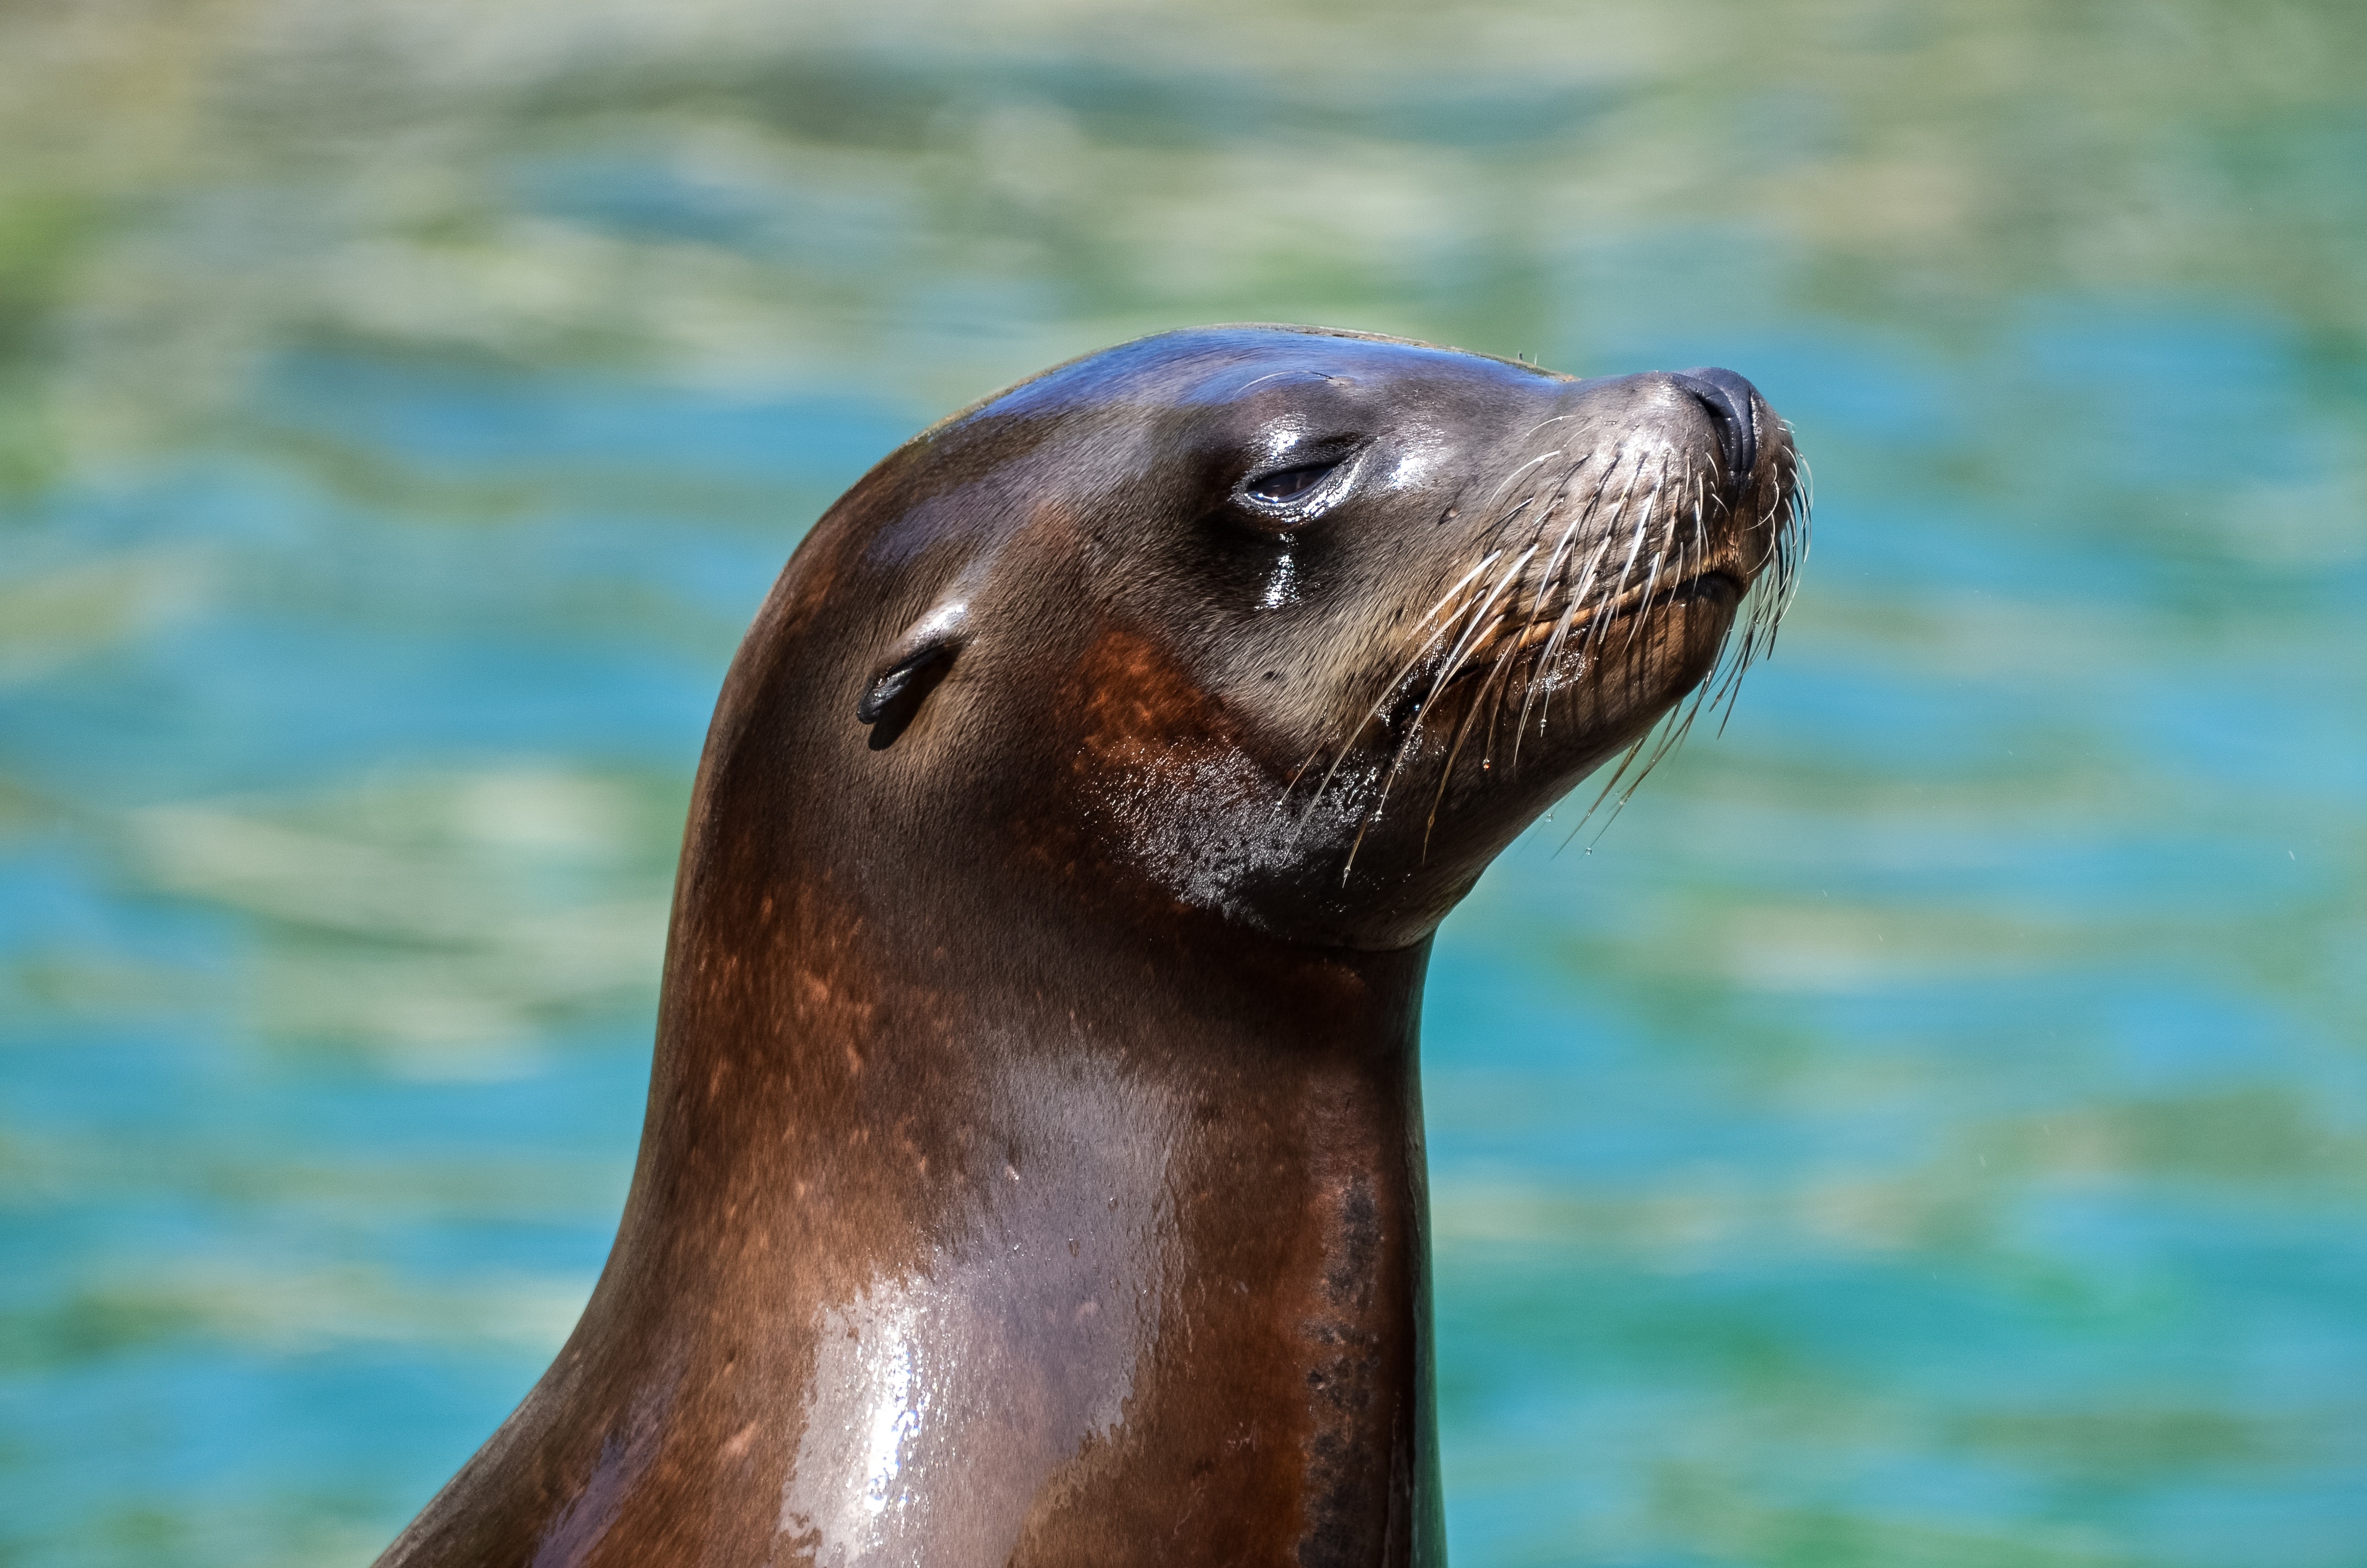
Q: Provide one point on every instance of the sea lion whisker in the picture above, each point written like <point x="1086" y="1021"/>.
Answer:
<point x="1676" y="733"/>
<point x="1397" y="754"/>
<point x="1625" y="760"/>
<point x="1669" y="733"/>
<point x="1577" y="603"/>
<point x="1538" y="666"/>
<point x="1516" y="473"/>
<point x="1388" y="690"/>
<point x="1282" y="801"/>
<point x="1453" y="666"/>
<point x="1610" y="535"/>
<point x="1737" y="661"/>
<point x="1701" y="532"/>
<point x="1462" y="732"/>
<point x="1463" y="649"/>
<point x="1635" y="549"/>
<point x="1554" y="565"/>
<point x="1771" y="597"/>
<point x="1578" y="597"/>
<point x="1560" y="632"/>
<point x="1561" y="546"/>
<point x="1652" y="585"/>
<point x="1505" y="522"/>
<point x="1677" y="725"/>
<point x="1348" y="745"/>
<point x="1512" y="647"/>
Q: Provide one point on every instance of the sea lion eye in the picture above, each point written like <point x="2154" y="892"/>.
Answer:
<point x="1290" y="483"/>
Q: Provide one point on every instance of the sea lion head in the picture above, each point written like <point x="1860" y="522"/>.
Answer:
<point x="1295" y="629"/>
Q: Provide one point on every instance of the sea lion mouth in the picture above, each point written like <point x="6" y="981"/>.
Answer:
<point x="1551" y="634"/>
<point x="1717" y="584"/>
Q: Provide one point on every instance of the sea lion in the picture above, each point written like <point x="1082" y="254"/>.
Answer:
<point x="1032" y="1170"/>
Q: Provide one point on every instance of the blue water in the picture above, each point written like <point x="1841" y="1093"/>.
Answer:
<point x="1929" y="1126"/>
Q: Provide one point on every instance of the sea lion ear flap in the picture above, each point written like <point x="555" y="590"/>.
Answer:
<point x="913" y="667"/>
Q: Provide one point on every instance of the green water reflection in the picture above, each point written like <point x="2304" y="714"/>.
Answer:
<point x="1928" y="1127"/>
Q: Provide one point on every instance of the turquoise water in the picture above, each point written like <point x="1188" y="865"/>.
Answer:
<point x="1928" y="1127"/>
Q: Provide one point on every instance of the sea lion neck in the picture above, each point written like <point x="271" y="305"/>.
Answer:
<point x="992" y="1206"/>
<point x="1118" y="1236"/>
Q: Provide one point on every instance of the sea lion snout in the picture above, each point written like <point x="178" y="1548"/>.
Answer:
<point x="1734" y="403"/>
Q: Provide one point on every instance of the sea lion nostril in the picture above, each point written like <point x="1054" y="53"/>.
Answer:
<point x="1729" y="401"/>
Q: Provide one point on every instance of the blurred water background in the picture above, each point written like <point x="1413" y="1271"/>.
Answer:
<point x="1928" y="1127"/>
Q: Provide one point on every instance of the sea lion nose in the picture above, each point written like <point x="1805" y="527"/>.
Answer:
<point x="1731" y="402"/>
